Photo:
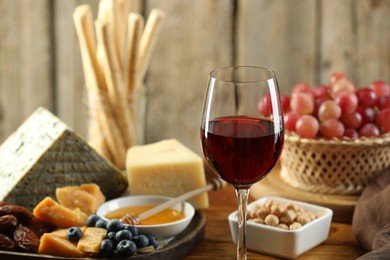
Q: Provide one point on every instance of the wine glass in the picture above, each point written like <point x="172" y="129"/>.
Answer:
<point x="242" y="132"/>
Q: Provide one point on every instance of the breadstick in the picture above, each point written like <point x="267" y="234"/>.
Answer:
<point x="124" y="7"/>
<point x="123" y="12"/>
<point x="109" y="12"/>
<point x="96" y="139"/>
<point x="102" y="14"/>
<point x="134" y="31"/>
<point x="117" y="30"/>
<point x="148" y="40"/>
<point x="103" y="11"/>
<point x="95" y="82"/>
<point x="83" y="20"/>
<point x="114" y="81"/>
<point x="110" y="64"/>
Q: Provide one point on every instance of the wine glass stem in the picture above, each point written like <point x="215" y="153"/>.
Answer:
<point x="242" y="199"/>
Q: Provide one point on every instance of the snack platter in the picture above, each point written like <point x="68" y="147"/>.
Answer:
<point x="178" y="247"/>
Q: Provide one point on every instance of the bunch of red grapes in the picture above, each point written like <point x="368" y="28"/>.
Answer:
<point x="336" y="110"/>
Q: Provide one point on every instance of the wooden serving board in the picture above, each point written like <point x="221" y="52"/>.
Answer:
<point x="180" y="246"/>
<point x="274" y="185"/>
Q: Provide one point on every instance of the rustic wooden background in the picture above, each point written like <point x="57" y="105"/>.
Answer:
<point x="302" y="40"/>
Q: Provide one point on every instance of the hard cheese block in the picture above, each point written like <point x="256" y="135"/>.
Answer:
<point x="43" y="154"/>
<point x="166" y="168"/>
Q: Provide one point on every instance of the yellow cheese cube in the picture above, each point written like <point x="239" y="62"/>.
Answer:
<point x="51" y="244"/>
<point x="91" y="239"/>
<point x="166" y="168"/>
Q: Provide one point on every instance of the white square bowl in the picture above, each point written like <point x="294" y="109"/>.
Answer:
<point x="284" y="243"/>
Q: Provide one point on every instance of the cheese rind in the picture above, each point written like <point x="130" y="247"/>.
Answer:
<point x="43" y="154"/>
<point x="166" y="168"/>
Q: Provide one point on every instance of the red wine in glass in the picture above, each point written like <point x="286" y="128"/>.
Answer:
<point x="241" y="149"/>
<point x="241" y="142"/>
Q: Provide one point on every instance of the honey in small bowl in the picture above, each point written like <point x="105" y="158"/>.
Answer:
<point x="161" y="231"/>
<point x="163" y="217"/>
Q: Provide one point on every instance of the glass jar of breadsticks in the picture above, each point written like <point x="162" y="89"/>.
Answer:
<point x="114" y="65"/>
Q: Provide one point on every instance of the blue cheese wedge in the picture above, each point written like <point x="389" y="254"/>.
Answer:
<point x="43" y="154"/>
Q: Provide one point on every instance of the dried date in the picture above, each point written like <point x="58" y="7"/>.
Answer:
<point x="8" y="223"/>
<point x="40" y="228"/>
<point x="26" y="239"/>
<point x="2" y="203"/>
<point x="23" y="214"/>
<point x="7" y="243"/>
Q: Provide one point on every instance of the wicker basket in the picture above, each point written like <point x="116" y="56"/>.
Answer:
<point x="341" y="166"/>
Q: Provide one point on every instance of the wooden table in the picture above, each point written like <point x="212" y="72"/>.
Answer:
<point x="217" y="242"/>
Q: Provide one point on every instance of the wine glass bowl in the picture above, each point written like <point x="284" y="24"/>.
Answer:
<point x="242" y="130"/>
<point x="242" y="150"/>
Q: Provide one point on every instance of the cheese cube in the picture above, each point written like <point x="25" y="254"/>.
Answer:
<point x="91" y="240"/>
<point x="51" y="244"/>
<point x="166" y="168"/>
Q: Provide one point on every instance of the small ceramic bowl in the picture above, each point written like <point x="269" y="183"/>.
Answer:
<point x="161" y="230"/>
<point x="284" y="243"/>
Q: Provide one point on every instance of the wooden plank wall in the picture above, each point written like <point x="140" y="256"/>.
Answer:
<point x="302" y="40"/>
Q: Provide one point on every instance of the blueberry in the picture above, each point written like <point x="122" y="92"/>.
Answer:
<point x="106" y="247"/>
<point x="132" y="229"/>
<point x="126" y="248"/>
<point x="92" y="219"/>
<point x="111" y="236"/>
<point x="153" y="241"/>
<point x="101" y="223"/>
<point x="114" y="225"/>
<point x="141" y="241"/>
<point x="123" y="235"/>
<point x="74" y="234"/>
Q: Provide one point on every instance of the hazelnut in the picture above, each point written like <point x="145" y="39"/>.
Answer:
<point x="282" y="226"/>
<point x="295" y="226"/>
<point x="262" y="213"/>
<point x="268" y="204"/>
<point x="303" y="218"/>
<point x="271" y="220"/>
<point x="288" y="217"/>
